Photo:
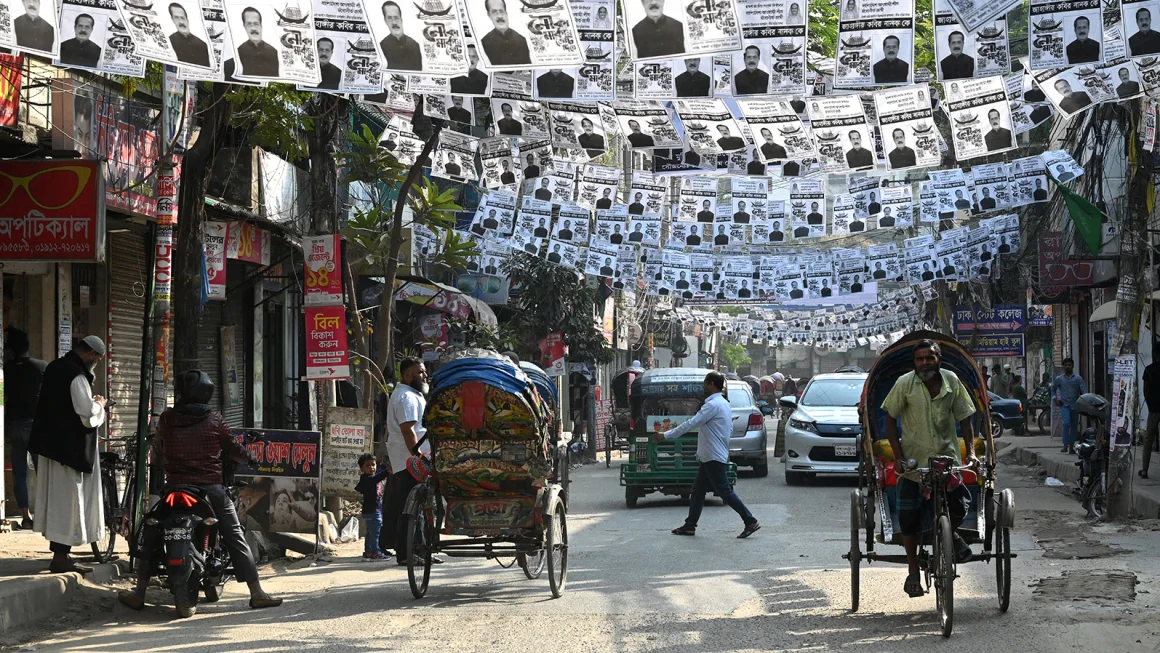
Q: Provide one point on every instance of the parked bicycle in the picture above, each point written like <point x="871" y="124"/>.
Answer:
<point x="118" y="503"/>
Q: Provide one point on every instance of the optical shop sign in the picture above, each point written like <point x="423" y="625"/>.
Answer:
<point x="51" y="211"/>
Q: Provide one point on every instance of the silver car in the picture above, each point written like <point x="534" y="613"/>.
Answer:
<point x="821" y="435"/>
<point x="748" y="441"/>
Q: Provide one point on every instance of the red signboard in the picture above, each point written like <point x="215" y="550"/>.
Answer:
<point x="10" y="69"/>
<point x="552" y="353"/>
<point x="326" y="353"/>
<point x="1056" y="271"/>
<point x="51" y="210"/>
<point x="323" y="274"/>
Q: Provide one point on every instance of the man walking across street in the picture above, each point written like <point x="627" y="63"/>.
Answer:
<point x="69" y="511"/>
<point x="1152" y="399"/>
<point x="1065" y="390"/>
<point x="929" y="402"/>
<point x="404" y="429"/>
<point x="714" y="425"/>
<point x="22" y="376"/>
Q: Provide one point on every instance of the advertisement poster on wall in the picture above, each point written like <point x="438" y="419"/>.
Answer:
<point x="323" y="277"/>
<point x="281" y="495"/>
<point x="552" y="350"/>
<point x="348" y="434"/>
<point x="231" y="380"/>
<point x="216" y="234"/>
<point x="326" y="353"/>
<point x="1123" y="399"/>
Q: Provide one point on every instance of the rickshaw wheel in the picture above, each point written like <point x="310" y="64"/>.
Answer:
<point x="557" y="550"/>
<point x="1003" y="549"/>
<point x="944" y="585"/>
<point x="855" y="550"/>
<point x="419" y="543"/>
<point x="533" y="565"/>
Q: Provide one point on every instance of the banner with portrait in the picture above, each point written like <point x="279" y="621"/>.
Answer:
<point x="270" y="45"/>
<point x="665" y="30"/>
<point x="710" y="128"/>
<point x="94" y="38"/>
<point x="282" y="490"/>
<point x="875" y="43"/>
<point x="521" y="35"/>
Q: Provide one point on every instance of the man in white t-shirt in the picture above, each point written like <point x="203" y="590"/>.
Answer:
<point x="404" y="429"/>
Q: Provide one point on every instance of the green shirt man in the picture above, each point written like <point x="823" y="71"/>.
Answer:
<point x="928" y="422"/>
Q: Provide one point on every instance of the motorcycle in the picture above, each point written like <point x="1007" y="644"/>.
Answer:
<point x="1092" y="451"/>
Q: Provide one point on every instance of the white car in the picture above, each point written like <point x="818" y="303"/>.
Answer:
<point x="822" y="433"/>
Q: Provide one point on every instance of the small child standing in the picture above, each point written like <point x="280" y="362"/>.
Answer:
<point x="370" y="487"/>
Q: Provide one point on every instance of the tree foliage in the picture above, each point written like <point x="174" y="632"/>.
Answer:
<point x="550" y="297"/>
<point x="734" y="355"/>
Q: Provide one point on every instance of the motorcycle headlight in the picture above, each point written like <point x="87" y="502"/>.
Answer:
<point x="803" y="426"/>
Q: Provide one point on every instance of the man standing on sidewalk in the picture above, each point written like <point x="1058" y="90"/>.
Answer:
<point x="1152" y="399"/>
<point x="22" y="376"/>
<point x="1065" y="390"/>
<point x="714" y="424"/>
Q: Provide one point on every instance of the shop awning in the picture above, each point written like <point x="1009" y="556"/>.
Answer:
<point x="1106" y="311"/>
<point x="443" y="298"/>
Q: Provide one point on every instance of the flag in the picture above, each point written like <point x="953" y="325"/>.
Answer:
<point x="1087" y="218"/>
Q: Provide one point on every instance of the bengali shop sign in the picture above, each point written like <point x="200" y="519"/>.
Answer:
<point x="996" y="345"/>
<point x="216" y="234"/>
<point x="282" y="491"/>
<point x="326" y="353"/>
<point x="997" y="319"/>
<point x="348" y="434"/>
<point x="323" y="270"/>
<point x="1056" y="270"/>
<point x="51" y="211"/>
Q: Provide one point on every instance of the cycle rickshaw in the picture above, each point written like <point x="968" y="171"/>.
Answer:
<point x="492" y="486"/>
<point x="874" y="505"/>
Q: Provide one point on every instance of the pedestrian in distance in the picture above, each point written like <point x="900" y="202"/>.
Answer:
<point x="714" y="425"/>
<point x="1020" y="393"/>
<point x="1152" y="400"/>
<point x="370" y="486"/>
<point x="1065" y="390"/>
<point x="22" y="377"/>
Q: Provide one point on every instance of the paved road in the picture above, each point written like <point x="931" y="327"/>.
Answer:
<point x="634" y="587"/>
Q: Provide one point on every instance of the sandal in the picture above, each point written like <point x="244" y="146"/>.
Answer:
<point x="1143" y="473"/>
<point x="684" y="530"/>
<point x="913" y="586"/>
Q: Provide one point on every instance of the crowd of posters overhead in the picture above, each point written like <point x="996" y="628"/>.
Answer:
<point x="779" y="134"/>
<point x="271" y="46"/>
<point x="416" y="37"/>
<point x="841" y="133"/>
<point x="281" y="494"/>
<point x="1065" y="33"/>
<point x="646" y="124"/>
<point x="980" y="117"/>
<point x="519" y="35"/>
<point x="875" y="43"/>
<point x="94" y="38"/>
<point x="963" y="53"/>
<point x="660" y="30"/>
<point x="595" y="78"/>
<point x="909" y="135"/>
<point x="348" y="59"/>
<point x="773" y="55"/>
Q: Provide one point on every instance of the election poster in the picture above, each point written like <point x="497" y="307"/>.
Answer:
<point x="418" y="37"/>
<point x="646" y="124"/>
<point x="348" y="59"/>
<point x="1028" y="181"/>
<point x="598" y="184"/>
<point x="1076" y="89"/>
<point x="455" y="157"/>
<point x="807" y="206"/>
<point x="1065" y="33"/>
<point x="664" y="30"/>
<point x="897" y="208"/>
<point x="698" y="199"/>
<point x="963" y="53"/>
<point x="710" y="128"/>
<point x="909" y="134"/>
<point x="1029" y="105"/>
<point x="94" y="38"/>
<point x="1136" y="22"/>
<point x="577" y="126"/>
<point x="514" y="111"/>
<point x="572" y="225"/>
<point x="689" y="77"/>
<point x="845" y="221"/>
<point x="875" y="43"/>
<point x="495" y="155"/>
<point x="773" y="55"/>
<point x="841" y="133"/>
<point x="779" y="132"/>
<point x="173" y="34"/>
<point x="595" y="78"/>
<point x="973" y="14"/>
<point x="980" y="117"/>
<point x="272" y="43"/>
<point x="521" y="35"/>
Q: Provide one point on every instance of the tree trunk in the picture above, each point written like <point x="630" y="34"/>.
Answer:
<point x="328" y="112"/>
<point x="384" y="336"/>
<point x="189" y="236"/>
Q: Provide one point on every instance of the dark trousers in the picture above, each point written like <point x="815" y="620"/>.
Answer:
<point x="229" y="529"/>
<point x="1150" y="438"/>
<point x="713" y="475"/>
<point x="393" y="536"/>
<point x="16" y="442"/>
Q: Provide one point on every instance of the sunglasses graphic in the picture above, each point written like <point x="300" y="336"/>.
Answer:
<point x="50" y="189"/>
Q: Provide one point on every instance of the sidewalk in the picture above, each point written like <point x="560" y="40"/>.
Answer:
<point x="28" y="593"/>
<point x="1043" y="451"/>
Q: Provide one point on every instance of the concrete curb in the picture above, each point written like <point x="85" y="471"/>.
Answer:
<point x="26" y="600"/>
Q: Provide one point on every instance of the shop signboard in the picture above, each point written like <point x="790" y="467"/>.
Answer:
<point x="216" y="234"/>
<point x="1056" y="270"/>
<point x="995" y="345"/>
<point x="326" y="351"/>
<point x="281" y="495"/>
<point x="348" y="434"/>
<point x="997" y="319"/>
<point x="323" y="275"/>
<point x="248" y="243"/>
<point x="52" y="211"/>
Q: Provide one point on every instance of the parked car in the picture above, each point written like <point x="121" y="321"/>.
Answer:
<point x="821" y="435"/>
<point x="749" y="438"/>
<point x="1005" y="414"/>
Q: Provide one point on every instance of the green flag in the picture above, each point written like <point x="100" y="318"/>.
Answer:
<point x="1085" y="215"/>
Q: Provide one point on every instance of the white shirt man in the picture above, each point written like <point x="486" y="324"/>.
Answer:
<point x="404" y="430"/>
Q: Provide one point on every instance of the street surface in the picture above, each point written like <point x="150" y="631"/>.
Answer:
<point x="632" y="586"/>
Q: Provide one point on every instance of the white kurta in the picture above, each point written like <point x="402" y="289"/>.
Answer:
<point x="68" y="504"/>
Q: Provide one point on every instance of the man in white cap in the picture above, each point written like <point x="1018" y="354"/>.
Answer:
<point x="64" y="435"/>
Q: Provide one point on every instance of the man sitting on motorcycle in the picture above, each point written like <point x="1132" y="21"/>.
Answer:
<point x="191" y="438"/>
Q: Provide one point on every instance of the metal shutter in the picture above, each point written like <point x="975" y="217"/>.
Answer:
<point x="209" y="356"/>
<point x="128" y="285"/>
<point x="234" y="315"/>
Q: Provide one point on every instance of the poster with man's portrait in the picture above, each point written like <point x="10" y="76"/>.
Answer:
<point x="515" y="35"/>
<point x="93" y="38"/>
<point x="30" y="26"/>
<point x="418" y="37"/>
<point x="663" y="29"/>
<point x="348" y="59"/>
<point x="875" y="44"/>
<point x="273" y="42"/>
<point x="172" y="32"/>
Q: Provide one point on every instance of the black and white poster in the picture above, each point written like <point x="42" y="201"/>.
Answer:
<point x="951" y="188"/>
<point x="779" y="134"/>
<point x="749" y="200"/>
<point x="627" y="268"/>
<point x="612" y="224"/>
<point x="495" y="215"/>
<point x="272" y="42"/>
<point x="455" y="157"/>
<point x="495" y="155"/>
<point x="710" y="128"/>
<point x="573" y="224"/>
<point x="31" y="26"/>
<point x="1124" y="77"/>
<point x="681" y="162"/>
<point x="418" y="37"/>
<point x="563" y="254"/>
<point x="666" y="29"/>
<point x="535" y="216"/>
<point x="646" y="194"/>
<point x="519" y="35"/>
<point x="1075" y="90"/>
<point x="962" y="53"/>
<point x="514" y="111"/>
<point x="928" y="204"/>
<point x="897" y="208"/>
<point x="221" y="48"/>
<point x="875" y="43"/>
<point x="644" y="230"/>
<point x="973" y="14"/>
<point x="883" y="262"/>
<point x="1149" y="71"/>
<point x="919" y="260"/>
<point x="94" y="38"/>
<point x="174" y="34"/>
<point x="1005" y="238"/>
<point x="595" y="79"/>
<point x="980" y="255"/>
<point x="577" y="126"/>
<point x="475" y="83"/>
<point x="1137" y="19"/>
<point x="677" y="273"/>
<point x="535" y="157"/>
<point x="559" y="184"/>
<point x="697" y="236"/>
<point x="348" y="60"/>
<point x="1061" y="165"/>
<point x="1065" y="33"/>
<point x="807" y="209"/>
<point x="991" y="186"/>
<point x="698" y="200"/>
<point x="1028" y="181"/>
<point x="950" y="259"/>
<point x="1029" y="105"/>
<point x="909" y="135"/>
<point x="400" y="139"/>
<point x="773" y="55"/>
<point x="598" y="186"/>
<point x="690" y="77"/>
<point x="845" y="220"/>
<point x="980" y="117"/>
<point x="841" y="133"/>
<point x="646" y="124"/>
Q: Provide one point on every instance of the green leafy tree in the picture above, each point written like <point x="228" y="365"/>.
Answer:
<point x="550" y="297"/>
<point x="734" y="355"/>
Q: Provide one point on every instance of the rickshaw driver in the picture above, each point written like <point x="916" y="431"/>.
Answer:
<point x="928" y="401"/>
